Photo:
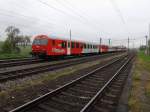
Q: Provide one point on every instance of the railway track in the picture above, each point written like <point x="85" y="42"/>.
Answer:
<point x="13" y="60"/>
<point x="25" y="61"/>
<point x="79" y="95"/>
<point x="10" y="75"/>
<point x="17" y="62"/>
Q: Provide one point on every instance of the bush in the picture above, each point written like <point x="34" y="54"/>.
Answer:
<point x="7" y="47"/>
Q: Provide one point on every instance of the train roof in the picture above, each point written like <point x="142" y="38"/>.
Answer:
<point x="61" y="38"/>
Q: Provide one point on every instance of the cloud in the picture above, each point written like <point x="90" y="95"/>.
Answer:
<point x="88" y="19"/>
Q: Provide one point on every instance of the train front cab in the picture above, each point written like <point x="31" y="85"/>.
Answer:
<point x="40" y="46"/>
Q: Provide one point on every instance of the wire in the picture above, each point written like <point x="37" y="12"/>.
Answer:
<point x="119" y="13"/>
<point x="65" y="13"/>
<point x="84" y="13"/>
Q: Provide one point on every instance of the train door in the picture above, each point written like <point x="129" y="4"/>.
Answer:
<point x="68" y="48"/>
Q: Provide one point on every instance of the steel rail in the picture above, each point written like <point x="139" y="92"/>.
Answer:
<point x="4" y="76"/>
<point x="13" y="60"/>
<point x="20" y="62"/>
<point x="95" y="98"/>
<point x="58" y="90"/>
<point x="25" y="61"/>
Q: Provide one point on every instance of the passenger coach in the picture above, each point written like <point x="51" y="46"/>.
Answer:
<point x="48" y="46"/>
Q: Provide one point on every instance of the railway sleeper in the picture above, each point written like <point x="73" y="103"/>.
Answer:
<point x="46" y="108"/>
<point x="98" y="76"/>
<point x="111" y="95"/>
<point x="87" y="86"/>
<point x="51" y="105"/>
<point x="71" y="99"/>
<point x="85" y="89"/>
<point x="110" y="98"/>
<point x="96" y="79"/>
<point x="103" y="109"/>
<point x="65" y="105"/>
<point x="77" y="96"/>
<point x="66" y="102"/>
<point x="82" y="91"/>
<point x="107" y="101"/>
<point x="92" y="81"/>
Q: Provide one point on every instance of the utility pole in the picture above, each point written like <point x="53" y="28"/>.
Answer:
<point x="133" y="43"/>
<point x="128" y="43"/>
<point x="70" y="41"/>
<point x="146" y="45"/>
<point x="70" y="35"/>
<point x="109" y="42"/>
<point x="100" y="43"/>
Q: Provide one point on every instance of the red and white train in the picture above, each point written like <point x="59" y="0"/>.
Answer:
<point x="47" y="46"/>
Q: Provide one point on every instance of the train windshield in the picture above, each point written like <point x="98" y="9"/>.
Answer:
<point x="40" y="42"/>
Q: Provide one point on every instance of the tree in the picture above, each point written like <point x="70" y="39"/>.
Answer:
<point x="14" y="40"/>
<point x="142" y="47"/>
<point x="12" y="34"/>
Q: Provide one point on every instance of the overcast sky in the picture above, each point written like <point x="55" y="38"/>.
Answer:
<point x="88" y="19"/>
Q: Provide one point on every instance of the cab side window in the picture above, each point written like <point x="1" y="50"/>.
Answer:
<point x="53" y="42"/>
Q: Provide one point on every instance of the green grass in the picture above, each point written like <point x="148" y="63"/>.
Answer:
<point x="145" y="63"/>
<point x="138" y="91"/>
<point x="144" y="60"/>
<point x="144" y="57"/>
<point x="25" y="52"/>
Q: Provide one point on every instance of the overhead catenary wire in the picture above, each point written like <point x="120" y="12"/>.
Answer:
<point x="47" y="26"/>
<point x="75" y="16"/>
<point x="29" y="18"/>
<point x="77" y="13"/>
<point x="83" y="14"/>
<point x="120" y="15"/>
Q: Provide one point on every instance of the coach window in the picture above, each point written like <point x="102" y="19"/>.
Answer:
<point x="77" y="45"/>
<point x="63" y="44"/>
<point x="85" y="46"/>
<point x="91" y="46"/>
<point x="88" y="46"/>
<point x="72" y="44"/>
